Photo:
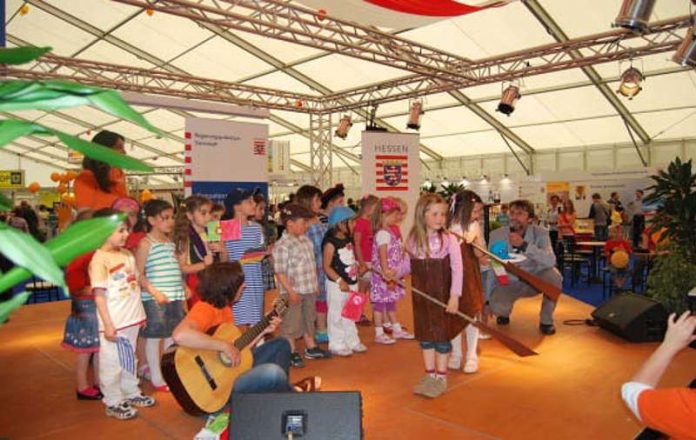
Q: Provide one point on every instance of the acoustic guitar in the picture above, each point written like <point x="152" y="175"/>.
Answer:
<point x="202" y="380"/>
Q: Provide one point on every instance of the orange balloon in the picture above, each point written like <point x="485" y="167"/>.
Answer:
<point x="146" y="195"/>
<point x="72" y="175"/>
<point x="149" y="12"/>
<point x="68" y="198"/>
<point x="64" y="178"/>
<point x="321" y="14"/>
<point x="55" y="176"/>
<point x="61" y="188"/>
<point x="34" y="187"/>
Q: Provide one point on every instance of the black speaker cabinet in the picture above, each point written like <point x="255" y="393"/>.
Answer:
<point x="633" y="317"/>
<point x="309" y="416"/>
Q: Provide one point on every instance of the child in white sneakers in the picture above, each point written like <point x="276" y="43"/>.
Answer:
<point x="114" y="281"/>
<point x="341" y="270"/>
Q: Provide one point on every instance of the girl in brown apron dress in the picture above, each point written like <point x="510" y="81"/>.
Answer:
<point x="436" y="269"/>
<point x="466" y="208"/>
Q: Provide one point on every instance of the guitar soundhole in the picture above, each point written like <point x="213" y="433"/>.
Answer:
<point x="206" y="373"/>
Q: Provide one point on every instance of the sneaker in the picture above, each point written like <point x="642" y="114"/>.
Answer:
<point x="435" y="388"/>
<point x="402" y="334"/>
<point x="122" y="411"/>
<point x="343" y="352"/>
<point x="360" y="348"/>
<point x="296" y="360"/>
<point x="423" y="384"/>
<point x="471" y="366"/>
<point x="321" y="338"/>
<point x="454" y="362"/>
<point x="384" y="339"/>
<point x="142" y="401"/>
<point x="484" y="336"/>
<point x="502" y="320"/>
<point x="316" y="353"/>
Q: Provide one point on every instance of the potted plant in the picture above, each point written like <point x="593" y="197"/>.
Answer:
<point x="674" y="272"/>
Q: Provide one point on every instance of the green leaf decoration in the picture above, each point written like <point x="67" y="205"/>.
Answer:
<point x="9" y="306"/>
<point x="12" y="129"/>
<point x="5" y="203"/>
<point x="26" y="252"/>
<point x="54" y="95"/>
<point x="102" y="153"/>
<point x="82" y="237"/>
<point x="78" y="239"/>
<point x="21" y="55"/>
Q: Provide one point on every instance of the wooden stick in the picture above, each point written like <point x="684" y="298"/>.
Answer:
<point x="549" y="290"/>
<point x="515" y="346"/>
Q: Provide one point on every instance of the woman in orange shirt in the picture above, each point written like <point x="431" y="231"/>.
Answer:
<point x="99" y="185"/>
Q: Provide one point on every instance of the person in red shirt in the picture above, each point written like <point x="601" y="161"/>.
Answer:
<point x="672" y="411"/>
<point x="617" y="251"/>
<point x="220" y="285"/>
<point x="81" y="333"/>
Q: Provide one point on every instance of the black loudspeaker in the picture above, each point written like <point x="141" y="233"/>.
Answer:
<point x="308" y="416"/>
<point x="633" y="317"/>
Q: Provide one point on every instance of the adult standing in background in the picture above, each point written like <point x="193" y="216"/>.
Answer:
<point x="600" y="212"/>
<point x="99" y="184"/>
<point x="636" y="218"/>
<point x="614" y="201"/>
<point x="552" y="214"/>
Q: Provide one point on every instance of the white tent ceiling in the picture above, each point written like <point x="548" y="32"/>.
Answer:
<point x="557" y="110"/>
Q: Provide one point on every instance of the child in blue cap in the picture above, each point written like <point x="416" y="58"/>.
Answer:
<point x="341" y="269"/>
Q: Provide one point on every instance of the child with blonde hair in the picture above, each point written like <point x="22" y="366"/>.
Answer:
<point x="436" y="268"/>
<point x="391" y="264"/>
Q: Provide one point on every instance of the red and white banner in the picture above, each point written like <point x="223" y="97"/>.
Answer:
<point x="391" y="167"/>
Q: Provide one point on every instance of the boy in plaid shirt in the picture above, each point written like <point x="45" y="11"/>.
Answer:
<point x="295" y="269"/>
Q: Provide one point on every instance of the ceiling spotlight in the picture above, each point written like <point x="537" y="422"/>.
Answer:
<point x="344" y="125"/>
<point x="464" y="182"/>
<point x="634" y="15"/>
<point x="630" y="83"/>
<point x="414" y="116"/>
<point x="505" y="179"/>
<point x="509" y="99"/>
<point x="427" y="184"/>
<point x="686" y="53"/>
<point x="484" y="179"/>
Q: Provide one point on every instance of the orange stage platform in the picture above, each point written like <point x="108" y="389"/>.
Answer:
<point x="569" y="391"/>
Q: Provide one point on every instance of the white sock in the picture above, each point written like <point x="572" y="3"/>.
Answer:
<point x="152" y="354"/>
<point x="472" y="335"/>
<point x="396" y="326"/>
<point x="457" y="346"/>
<point x="379" y="331"/>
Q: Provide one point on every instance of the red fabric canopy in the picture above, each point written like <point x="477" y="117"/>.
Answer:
<point x="434" y="8"/>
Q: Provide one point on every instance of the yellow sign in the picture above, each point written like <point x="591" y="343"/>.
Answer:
<point x="11" y="179"/>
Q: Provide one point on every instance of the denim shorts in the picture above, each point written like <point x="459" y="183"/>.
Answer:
<point x="162" y="318"/>
<point x="440" y="347"/>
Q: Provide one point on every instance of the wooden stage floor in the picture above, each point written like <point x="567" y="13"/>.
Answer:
<point x="569" y="391"/>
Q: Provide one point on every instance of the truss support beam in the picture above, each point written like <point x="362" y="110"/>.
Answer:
<point x="293" y="23"/>
<point x="559" y="35"/>
<point x="493" y="122"/>
<point x="320" y="149"/>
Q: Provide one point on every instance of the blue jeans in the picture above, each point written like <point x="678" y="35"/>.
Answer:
<point x="601" y="232"/>
<point x="270" y="371"/>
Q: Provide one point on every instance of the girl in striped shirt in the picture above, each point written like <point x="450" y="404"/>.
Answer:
<point x="163" y="288"/>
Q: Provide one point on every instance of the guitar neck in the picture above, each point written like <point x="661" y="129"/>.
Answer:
<point x="251" y="334"/>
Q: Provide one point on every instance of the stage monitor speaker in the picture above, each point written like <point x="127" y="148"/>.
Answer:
<point x="633" y="317"/>
<point x="309" y="416"/>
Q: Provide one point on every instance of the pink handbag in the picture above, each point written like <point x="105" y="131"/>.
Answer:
<point x="353" y="308"/>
